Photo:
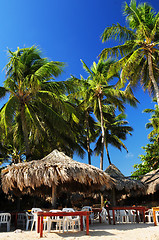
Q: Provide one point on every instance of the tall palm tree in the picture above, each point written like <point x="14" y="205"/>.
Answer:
<point x="31" y="90"/>
<point x="139" y="47"/>
<point x="116" y="130"/>
<point x="79" y="96"/>
<point x="100" y="93"/>
<point x="89" y="134"/>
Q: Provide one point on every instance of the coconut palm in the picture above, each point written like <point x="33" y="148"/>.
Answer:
<point x="138" y="47"/>
<point x="116" y="129"/>
<point x="100" y="93"/>
<point x="79" y="96"/>
<point x="89" y="133"/>
<point x="31" y="94"/>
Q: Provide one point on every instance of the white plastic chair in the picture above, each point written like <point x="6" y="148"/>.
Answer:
<point x="157" y="216"/>
<point x="35" y="218"/>
<point x="91" y="216"/>
<point x="5" y="218"/>
<point x="56" y="219"/>
<point x="135" y="216"/>
<point x="36" y="210"/>
<point x="29" y="220"/>
<point x="149" y="216"/>
<point x="21" y="219"/>
<point x="131" y="216"/>
<point x="71" y="221"/>
<point x="122" y="216"/>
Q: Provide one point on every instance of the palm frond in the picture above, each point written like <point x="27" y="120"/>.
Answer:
<point x="3" y="92"/>
<point x="49" y="69"/>
<point x="117" y="32"/>
<point x="7" y="112"/>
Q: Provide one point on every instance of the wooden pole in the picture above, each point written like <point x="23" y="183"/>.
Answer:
<point x="113" y="196"/>
<point x="102" y="200"/>
<point x="54" y="195"/>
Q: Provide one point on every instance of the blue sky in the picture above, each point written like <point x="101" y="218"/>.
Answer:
<point x="67" y="31"/>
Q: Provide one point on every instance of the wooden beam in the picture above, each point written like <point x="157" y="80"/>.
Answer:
<point x="54" y="197"/>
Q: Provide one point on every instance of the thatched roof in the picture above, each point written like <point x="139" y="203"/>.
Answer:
<point x="38" y="176"/>
<point x="124" y="184"/>
<point x="151" y="179"/>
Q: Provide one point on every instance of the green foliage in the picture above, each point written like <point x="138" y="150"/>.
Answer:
<point x="154" y="122"/>
<point x="116" y="130"/>
<point x="149" y="161"/>
<point x="117" y="32"/>
<point x="97" y="95"/>
<point x="138" y="51"/>
<point x="38" y="116"/>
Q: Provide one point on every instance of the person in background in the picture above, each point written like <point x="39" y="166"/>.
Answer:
<point x="106" y="203"/>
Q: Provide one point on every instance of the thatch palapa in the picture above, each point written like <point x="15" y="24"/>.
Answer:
<point x="56" y="169"/>
<point x="124" y="185"/>
<point x="151" y="180"/>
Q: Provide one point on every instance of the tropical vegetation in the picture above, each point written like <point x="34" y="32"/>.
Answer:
<point x="36" y="106"/>
<point x="138" y="48"/>
<point x="150" y="160"/>
<point x="102" y="99"/>
<point x="81" y="115"/>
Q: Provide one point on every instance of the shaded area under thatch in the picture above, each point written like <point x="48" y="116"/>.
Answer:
<point x="123" y="185"/>
<point x="56" y="169"/>
<point x="151" y="180"/>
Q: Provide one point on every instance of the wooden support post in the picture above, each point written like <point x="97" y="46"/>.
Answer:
<point x="154" y="217"/>
<point x="38" y="225"/>
<point x="41" y="227"/>
<point x="87" y="224"/>
<point x="102" y="200"/>
<point x="113" y="203"/>
<point x="53" y="195"/>
<point x="144" y="220"/>
<point x="113" y="216"/>
<point x="81" y="221"/>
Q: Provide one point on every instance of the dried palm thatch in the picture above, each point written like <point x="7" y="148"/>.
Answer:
<point x="56" y="169"/>
<point x="124" y="184"/>
<point x="151" y="180"/>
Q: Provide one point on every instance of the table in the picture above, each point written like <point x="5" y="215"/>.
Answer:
<point x="135" y="208"/>
<point x="41" y="215"/>
<point x="154" y="209"/>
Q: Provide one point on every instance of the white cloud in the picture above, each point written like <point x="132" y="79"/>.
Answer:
<point x="129" y="155"/>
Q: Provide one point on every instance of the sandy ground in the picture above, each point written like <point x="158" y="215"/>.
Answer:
<point x="127" y="231"/>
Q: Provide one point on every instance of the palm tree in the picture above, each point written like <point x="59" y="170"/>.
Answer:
<point x="154" y="122"/>
<point x="89" y="134"/>
<point x="139" y="47"/>
<point x="116" y="130"/>
<point x="87" y="129"/>
<point x="31" y="90"/>
<point x="100" y="93"/>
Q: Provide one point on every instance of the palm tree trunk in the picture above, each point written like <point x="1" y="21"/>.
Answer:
<point x="151" y="75"/>
<point x="102" y="141"/>
<point x="103" y="134"/>
<point x="25" y="133"/>
<point x="88" y="139"/>
<point x="106" y="147"/>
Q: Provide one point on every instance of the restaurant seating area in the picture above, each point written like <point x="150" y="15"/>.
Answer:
<point x="58" y="221"/>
